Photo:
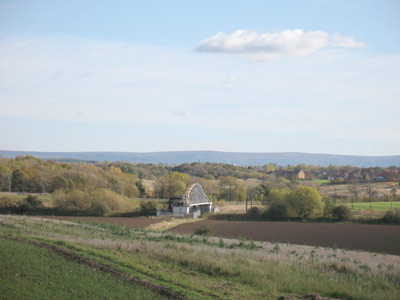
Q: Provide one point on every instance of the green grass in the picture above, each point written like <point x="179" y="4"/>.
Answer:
<point x="30" y="272"/>
<point x="382" y="206"/>
<point x="202" y="267"/>
<point x="320" y="181"/>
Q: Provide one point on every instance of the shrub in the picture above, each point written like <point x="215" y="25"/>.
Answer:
<point x="329" y="205"/>
<point x="29" y="204"/>
<point x="74" y="202"/>
<point x="392" y="216"/>
<point x="105" y="202"/>
<point x="33" y="201"/>
<point x="203" y="230"/>
<point x="7" y="201"/>
<point x="221" y="203"/>
<point x="148" y="208"/>
<point x="337" y="181"/>
<point x="98" y="203"/>
<point x="276" y="212"/>
<point x="342" y="212"/>
<point x="253" y="211"/>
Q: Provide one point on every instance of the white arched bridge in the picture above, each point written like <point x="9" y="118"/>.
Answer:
<point x="191" y="203"/>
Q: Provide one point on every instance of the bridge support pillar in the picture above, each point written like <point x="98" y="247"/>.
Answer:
<point x="181" y="211"/>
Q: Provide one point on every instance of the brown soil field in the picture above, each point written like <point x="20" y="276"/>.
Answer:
<point x="120" y="221"/>
<point x="374" y="238"/>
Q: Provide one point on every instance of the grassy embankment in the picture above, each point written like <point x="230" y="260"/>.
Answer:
<point x="30" y="272"/>
<point x="201" y="267"/>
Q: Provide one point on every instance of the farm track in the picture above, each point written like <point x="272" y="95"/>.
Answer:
<point x="374" y="238"/>
<point x="141" y="222"/>
<point x="96" y="265"/>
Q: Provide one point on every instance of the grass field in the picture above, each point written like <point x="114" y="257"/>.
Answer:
<point x="320" y="181"/>
<point x="201" y="267"/>
<point x="30" y="272"/>
<point x="382" y="189"/>
<point x="382" y="206"/>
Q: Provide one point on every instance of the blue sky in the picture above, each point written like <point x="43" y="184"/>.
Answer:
<point x="319" y="76"/>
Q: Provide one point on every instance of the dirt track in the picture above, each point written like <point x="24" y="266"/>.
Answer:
<point x="127" y="222"/>
<point x="375" y="238"/>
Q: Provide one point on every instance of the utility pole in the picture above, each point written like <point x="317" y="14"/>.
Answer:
<point x="247" y="198"/>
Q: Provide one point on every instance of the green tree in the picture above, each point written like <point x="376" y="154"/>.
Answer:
<point x="269" y="168"/>
<point x="329" y="205"/>
<point x="19" y="181"/>
<point x="277" y="196"/>
<point x="5" y="178"/>
<point x="232" y="189"/>
<point x="173" y="185"/>
<point x="305" y="201"/>
<point x="59" y="183"/>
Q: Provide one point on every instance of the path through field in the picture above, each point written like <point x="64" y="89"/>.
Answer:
<point x="120" y="221"/>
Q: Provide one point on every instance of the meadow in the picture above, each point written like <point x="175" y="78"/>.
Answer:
<point x="206" y="267"/>
<point x="31" y="272"/>
<point x="380" y="206"/>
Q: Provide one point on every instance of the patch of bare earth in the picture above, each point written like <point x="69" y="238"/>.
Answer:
<point x="374" y="238"/>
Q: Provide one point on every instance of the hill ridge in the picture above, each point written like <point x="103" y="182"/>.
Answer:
<point x="236" y="158"/>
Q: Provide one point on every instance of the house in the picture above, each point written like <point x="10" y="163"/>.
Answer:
<point x="301" y="174"/>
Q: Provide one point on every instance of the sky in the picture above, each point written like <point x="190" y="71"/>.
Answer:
<point x="316" y="76"/>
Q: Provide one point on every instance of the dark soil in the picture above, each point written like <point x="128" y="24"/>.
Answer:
<point x="374" y="238"/>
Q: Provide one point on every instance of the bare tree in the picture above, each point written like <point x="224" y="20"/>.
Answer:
<point x="371" y="191"/>
<point x="354" y="189"/>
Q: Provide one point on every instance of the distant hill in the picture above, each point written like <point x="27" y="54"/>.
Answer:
<point x="236" y="158"/>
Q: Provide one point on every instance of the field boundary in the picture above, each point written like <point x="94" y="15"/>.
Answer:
<point x="94" y="264"/>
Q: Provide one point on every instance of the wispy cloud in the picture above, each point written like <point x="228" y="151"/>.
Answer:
<point x="269" y="46"/>
<point x="171" y="90"/>
<point x="338" y="40"/>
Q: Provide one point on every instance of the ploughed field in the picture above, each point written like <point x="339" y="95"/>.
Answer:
<point x="120" y="221"/>
<point x="375" y="238"/>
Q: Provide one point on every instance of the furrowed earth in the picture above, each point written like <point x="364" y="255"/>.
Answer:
<point x="374" y="238"/>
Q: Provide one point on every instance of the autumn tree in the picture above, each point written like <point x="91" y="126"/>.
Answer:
<point x="142" y="189"/>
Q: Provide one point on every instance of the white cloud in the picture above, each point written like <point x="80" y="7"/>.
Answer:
<point x="268" y="46"/>
<point x="338" y="40"/>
